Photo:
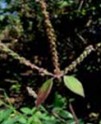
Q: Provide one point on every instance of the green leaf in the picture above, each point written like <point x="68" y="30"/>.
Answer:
<point x="65" y="114"/>
<point x="59" y="101"/>
<point x="4" y="114"/>
<point x="63" y="4"/>
<point x="44" y="92"/>
<point x="62" y="113"/>
<point x="26" y="110"/>
<point x="2" y="17"/>
<point x="74" y="85"/>
<point x="9" y="121"/>
<point x="22" y="120"/>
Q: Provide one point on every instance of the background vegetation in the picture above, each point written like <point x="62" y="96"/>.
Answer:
<point x="77" y="24"/>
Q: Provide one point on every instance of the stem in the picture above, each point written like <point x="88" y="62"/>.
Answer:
<point x="73" y="113"/>
<point x="80" y="5"/>
<point x="81" y="38"/>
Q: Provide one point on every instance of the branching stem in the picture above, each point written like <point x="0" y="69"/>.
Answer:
<point x="43" y="71"/>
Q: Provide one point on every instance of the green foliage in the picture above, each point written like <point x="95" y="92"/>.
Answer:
<point x="74" y="85"/>
<point x="59" y="101"/>
<point x="27" y="115"/>
<point x="4" y="114"/>
<point x="26" y="110"/>
<point x="15" y="87"/>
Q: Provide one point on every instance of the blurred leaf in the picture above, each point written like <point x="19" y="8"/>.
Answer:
<point x="74" y="85"/>
<point x="59" y="101"/>
<point x="66" y="115"/>
<point x="22" y="120"/>
<point x="26" y="110"/>
<point x="4" y="114"/>
<point x="44" y="92"/>
<point x="2" y="17"/>
<point x="36" y="121"/>
<point x="62" y="4"/>
<point x="62" y="113"/>
<point x="9" y="121"/>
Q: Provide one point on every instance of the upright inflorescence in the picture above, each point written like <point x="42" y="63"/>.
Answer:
<point x="51" y="37"/>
